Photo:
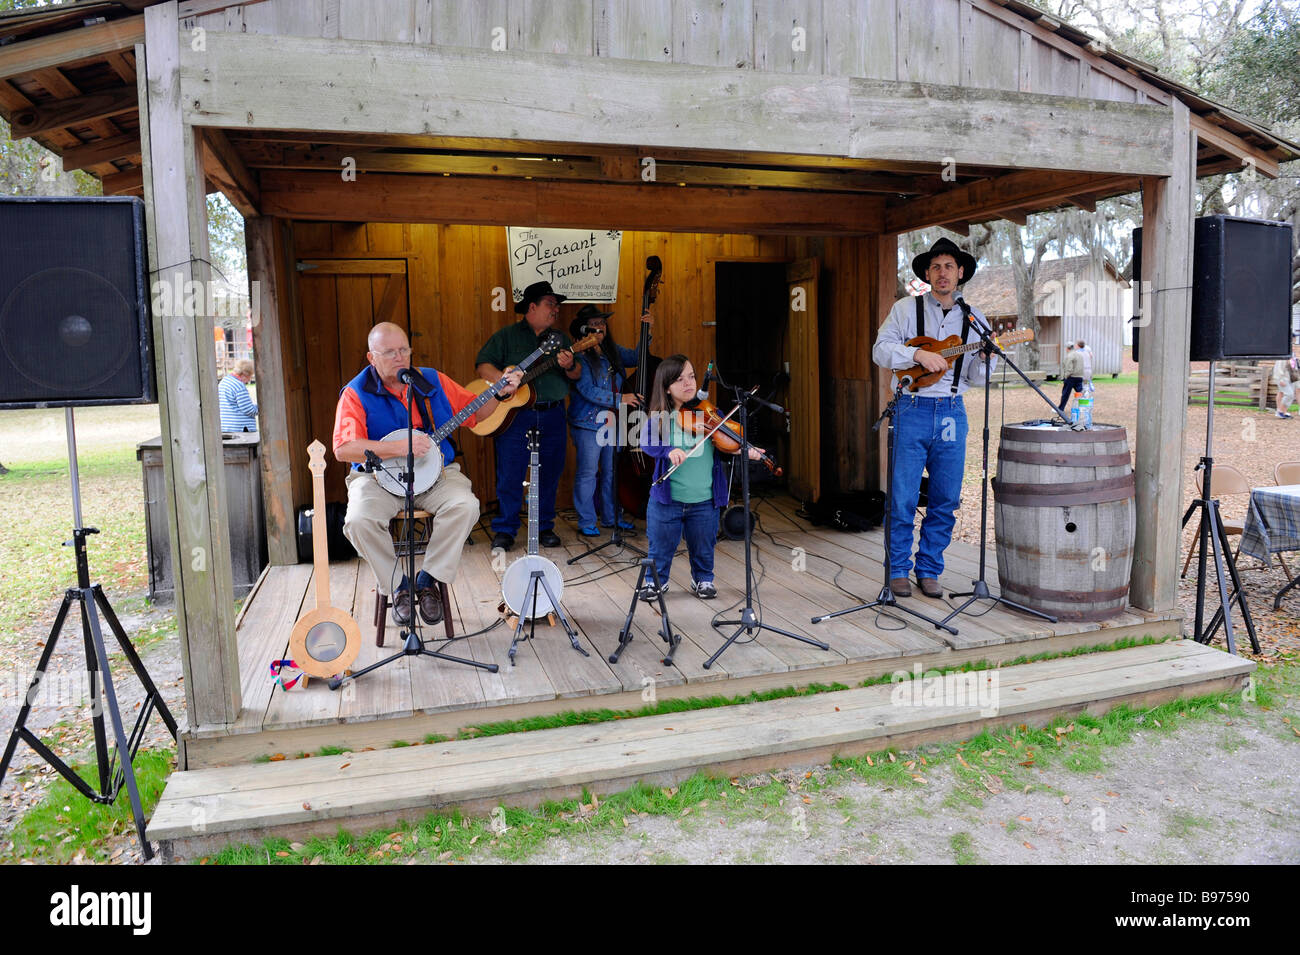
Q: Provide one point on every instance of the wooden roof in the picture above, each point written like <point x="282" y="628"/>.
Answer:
<point x="68" y="79"/>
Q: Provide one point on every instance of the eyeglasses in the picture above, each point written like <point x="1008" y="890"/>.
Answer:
<point x="392" y="353"/>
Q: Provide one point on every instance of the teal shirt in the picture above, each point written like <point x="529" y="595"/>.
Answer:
<point x="512" y="344"/>
<point x="693" y="481"/>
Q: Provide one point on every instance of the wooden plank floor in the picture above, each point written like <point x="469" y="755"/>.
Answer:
<point x="376" y="788"/>
<point x="801" y="571"/>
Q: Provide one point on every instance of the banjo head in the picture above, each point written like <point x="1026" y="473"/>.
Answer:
<point x="517" y="587"/>
<point x="427" y="468"/>
<point x="325" y="642"/>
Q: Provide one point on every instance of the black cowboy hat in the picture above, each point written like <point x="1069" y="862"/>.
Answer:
<point x="535" y="293"/>
<point x="585" y="314"/>
<point x="946" y="246"/>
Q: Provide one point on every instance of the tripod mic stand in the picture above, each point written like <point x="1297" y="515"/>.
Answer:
<point x="886" y="597"/>
<point x="89" y="596"/>
<point x="1211" y="533"/>
<point x="412" y="643"/>
<point x="749" y="621"/>
<point x="979" y="587"/>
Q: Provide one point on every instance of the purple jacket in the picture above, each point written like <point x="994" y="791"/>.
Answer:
<point x="663" y="493"/>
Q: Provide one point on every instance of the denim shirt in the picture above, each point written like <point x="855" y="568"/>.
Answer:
<point x="596" y="389"/>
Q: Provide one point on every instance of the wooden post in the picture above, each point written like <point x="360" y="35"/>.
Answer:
<point x="272" y="393"/>
<point x="1162" y="375"/>
<point x="883" y="260"/>
<point x="193" y="459"/>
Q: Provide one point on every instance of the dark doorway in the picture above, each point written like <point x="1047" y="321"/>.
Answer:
<point x="751" y="329"/>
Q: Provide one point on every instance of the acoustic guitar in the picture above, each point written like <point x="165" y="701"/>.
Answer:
<point x="524" y="396"/>
<point x="950" y="348"/>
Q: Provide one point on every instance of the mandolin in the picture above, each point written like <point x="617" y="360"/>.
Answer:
<point x="950" y="348"/>
<point x="524" y="397"/>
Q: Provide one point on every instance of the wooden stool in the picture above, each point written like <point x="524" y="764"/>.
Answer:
<point x="423" y="528"/>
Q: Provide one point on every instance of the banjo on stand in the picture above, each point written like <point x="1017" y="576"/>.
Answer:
<point x="326" y="640"/>
<point x="532" y="585"/>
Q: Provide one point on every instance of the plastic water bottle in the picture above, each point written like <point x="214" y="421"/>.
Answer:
<point x="1083" y="410"/>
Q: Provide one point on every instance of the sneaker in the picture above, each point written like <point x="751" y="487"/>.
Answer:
<point x="622" y="525"/>
<point x="1283" y="414"/>
<point x="705" y="589"/>
<point x="589" y="531"/>
<point x="651" y="593"/>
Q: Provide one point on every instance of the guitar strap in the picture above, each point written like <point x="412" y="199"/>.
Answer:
<point x="965" y="331"/>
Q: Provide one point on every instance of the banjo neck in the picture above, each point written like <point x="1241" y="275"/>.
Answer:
<point x="534" y="470"/>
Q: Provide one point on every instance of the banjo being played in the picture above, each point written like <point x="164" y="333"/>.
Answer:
<point x="428" y="467"/>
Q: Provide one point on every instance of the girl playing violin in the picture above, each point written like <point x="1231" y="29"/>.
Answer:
<point x="687" y="504"/>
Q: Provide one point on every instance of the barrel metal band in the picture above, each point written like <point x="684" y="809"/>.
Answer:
<point x="1064" y="596"/>
<point x="1100" y="433"/>
<point x="1059" y="495"/>
<point x="1119" y="459"/>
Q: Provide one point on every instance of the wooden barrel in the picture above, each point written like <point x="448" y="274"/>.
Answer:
<point x="1064" y="519"/>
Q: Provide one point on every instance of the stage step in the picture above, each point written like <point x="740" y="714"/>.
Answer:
<point x="200" y="810"/>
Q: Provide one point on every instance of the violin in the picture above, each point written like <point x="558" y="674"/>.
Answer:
<point x="701" y="416"/>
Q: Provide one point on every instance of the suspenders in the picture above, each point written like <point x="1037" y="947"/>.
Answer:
<point x="965" y="332"/>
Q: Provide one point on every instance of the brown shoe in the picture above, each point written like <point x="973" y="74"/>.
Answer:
<point x="402" y="608"/>
<point x="930" y="587"/>
<point x="900" y="587"/>
<point x="430" y="604"/>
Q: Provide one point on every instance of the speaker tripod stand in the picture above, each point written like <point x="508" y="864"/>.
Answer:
<point x="114" y="770"/>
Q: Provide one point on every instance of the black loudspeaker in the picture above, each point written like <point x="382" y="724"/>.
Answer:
<point x="74" y="308"/>
<point x="1241" y="288"/>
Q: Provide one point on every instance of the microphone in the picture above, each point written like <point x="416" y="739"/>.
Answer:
<point x="703" y="393"/>
<point x="905" y="381"/>
<point x="413" y="377"/>
<point x="373" y="462"/>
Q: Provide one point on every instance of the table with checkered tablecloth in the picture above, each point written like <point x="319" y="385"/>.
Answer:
<point x="1272" y="526"/>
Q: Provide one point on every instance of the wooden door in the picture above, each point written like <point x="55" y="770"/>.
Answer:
<point x="342" y="299"/>
<point x="803" y="394"/>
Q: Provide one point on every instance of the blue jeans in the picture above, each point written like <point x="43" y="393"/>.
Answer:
<point x="666" y="524"/>
<point x="930" y="436"/>
<point x="512" y="467"/>
<point x="593" y="478"/>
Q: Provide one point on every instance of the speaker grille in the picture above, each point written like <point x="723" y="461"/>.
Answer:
<point x="74" y="321"/>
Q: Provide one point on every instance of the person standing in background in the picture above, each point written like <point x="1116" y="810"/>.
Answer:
<point x="238" y="413"/>
<point x="1071" y="374"/>
<point x="1286" y="374"/>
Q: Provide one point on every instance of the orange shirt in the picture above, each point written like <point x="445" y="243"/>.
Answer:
<point x="350" y="416"/>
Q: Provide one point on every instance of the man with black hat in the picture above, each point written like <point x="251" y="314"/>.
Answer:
<point x="597" y="394"/>
<point x="508" y="346"/>
<point x="930" y="424"/>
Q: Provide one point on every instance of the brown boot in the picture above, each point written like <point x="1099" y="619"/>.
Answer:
<point x="930" y="587"/>
<point x="900" y="587"/>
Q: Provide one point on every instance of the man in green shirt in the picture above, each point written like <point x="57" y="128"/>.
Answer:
<point x="507" y="347"/>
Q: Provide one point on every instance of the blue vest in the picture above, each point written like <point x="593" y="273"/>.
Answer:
<point x="386" y="414"/>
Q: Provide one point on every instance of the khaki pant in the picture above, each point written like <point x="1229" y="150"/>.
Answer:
<point x="452" y="503"/>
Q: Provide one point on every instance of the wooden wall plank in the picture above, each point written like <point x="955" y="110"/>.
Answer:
<point x="456" y="23"/>
<point x="928" y="42"/>
<point x="990" y="52"/>
<point x="551" y="26"/>
<point x="789" y="37"/>
<point x="393" y="21"/>
<point x="714" y="32"/>
<point x="861" y="38"/>
<point x="633" y="30"/>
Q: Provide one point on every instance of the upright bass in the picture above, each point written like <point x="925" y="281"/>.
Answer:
<point x="634" y="465"/>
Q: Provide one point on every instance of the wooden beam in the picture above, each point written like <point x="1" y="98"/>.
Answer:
<point x="1018" y="216"/>
<point x="384" y="197"/>
<point x="1009" y="129"/>
<point x="100" y="151"/>
<point x="628" y="169"/>
<point x="1081" y="202"/>
<point x="121" y="66"/>
<point x="224" y="167"/>
<point x="882" y="274"/>
<point x="1167" y="209"/>
<point x="59" y="49"/>
<point x="119" y="183"/>
<point x="988" y="198"/>
<point x="244" y="80"/>
<point x="193" y="457"/>
<point x="1235" y="147"/>
<point x="80" y="110"/>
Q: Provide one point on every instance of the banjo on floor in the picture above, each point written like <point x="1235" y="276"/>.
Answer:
<point x="525" y="599"/>
<point x="428" y="467"/>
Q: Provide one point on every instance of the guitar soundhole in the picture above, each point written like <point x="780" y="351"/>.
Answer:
<point x="325" y="642"/>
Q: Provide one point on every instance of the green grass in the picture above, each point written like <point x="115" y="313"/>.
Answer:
<point x="963" y="852"/>
<point x="65" y="822"/>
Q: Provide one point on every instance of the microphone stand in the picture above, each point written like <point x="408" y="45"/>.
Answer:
<point x="886" y="597"/>
<point x="979" y="587"/>
<point x="749" y="621"/>
<point x="413" y="645"/>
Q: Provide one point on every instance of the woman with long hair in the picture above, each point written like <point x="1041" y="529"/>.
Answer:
<point x="688" y="503"/>
<point x="594" y="403"/>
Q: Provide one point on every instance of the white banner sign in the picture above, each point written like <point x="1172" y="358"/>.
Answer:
<point x="581" y="264"/>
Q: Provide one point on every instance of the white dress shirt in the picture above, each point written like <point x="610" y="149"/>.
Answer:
<point x="891" y="352"/>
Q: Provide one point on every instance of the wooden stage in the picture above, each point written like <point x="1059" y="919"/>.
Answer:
<point x="798" y="567"/>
